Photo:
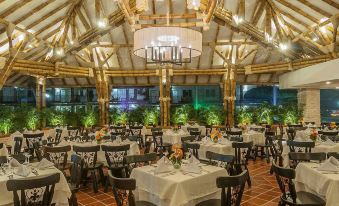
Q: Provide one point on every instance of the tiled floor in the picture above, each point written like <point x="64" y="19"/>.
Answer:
<point x="264" y="190"/>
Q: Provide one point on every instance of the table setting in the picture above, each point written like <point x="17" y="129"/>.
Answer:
<point x="174" y="136"/>
<point x="321" y="179"/>
<point x="14" y="170"/>
<point x="175" y="181"/>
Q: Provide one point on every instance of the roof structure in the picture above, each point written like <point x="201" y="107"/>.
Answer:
<point x="32" y="31"/>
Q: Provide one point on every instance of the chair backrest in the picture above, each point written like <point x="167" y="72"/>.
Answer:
<point x="123" y="190"/>
<point x="88" y="153"/>
<point x="118" y="129"/>
<point x="115" y="154"/>
<point x="37" y="150"/>
<point x="290" y="133"/>
<point x="333" y="154"/>
<point x="73" y="131"/>
<point x="189" y="129"/>
<point x="234" y="135"/>
<point x="332" y="135"/>
<point x="300" y="146"/>
<point x="238" y="147"/>
<point x="221" y="160"/>
<point x="17" y="145"/>
<point x="232" y="188"/>
<point x="297" y="157"/>
<point x="269" y="136"/>
<point x="37" y="190"/>
<point x="31" y="138"/>
<point x="57" y="155"/>
<point x="58" y="136"/>
<point x="134" y="161"/>
<point x="196" y="134"/>
<point x="3" y="160"/>
<point x="157" y="138"/>
<point x="192" y="148"/>
<point x="187" y="139"/>
<point x="208" y="129"/>
<point x="285" y="178"/>
<point x="135" y="130"/>
<point x="76" y="170"/>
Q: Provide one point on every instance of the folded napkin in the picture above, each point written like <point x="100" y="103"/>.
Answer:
<point x="22" y="171"/>
<point x="163" y="166"/>
<point x="328" y="166"/>
<point x="328" y="142"/>
<point x="334" y="161"/>
<point x="192" y="168"/>
<point x="4" y="151"/>
<point x="194" y="160"/>
<point x="14" y="163"/>
<point x="17" y="133"/>
<point x="44" y="163"/>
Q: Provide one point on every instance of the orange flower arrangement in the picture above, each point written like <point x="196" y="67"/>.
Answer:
<point x="100" y="134"/>
<point x="177" y="155"/>
<point x="314" y="135"/>
<point x="215" y="136"/>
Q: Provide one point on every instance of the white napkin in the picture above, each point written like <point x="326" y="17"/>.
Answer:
<point x="328" y="166"/>
<point x="192" y="168"/>
<point x="334" y="161"/>
<point x="44" y="163"/>
<point x="163" y="166"/>
<point x="22" y="171"/>
<point x="4" y="151"/>
<point x="194" y="160"/>
<point x="328" y="142"/>
<point x="14" y="163"/>
<point x="16" y="134"/>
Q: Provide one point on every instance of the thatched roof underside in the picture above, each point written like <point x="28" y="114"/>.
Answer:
<point x="55" y="23"/>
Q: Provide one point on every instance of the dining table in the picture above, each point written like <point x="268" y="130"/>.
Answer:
<point x="321" y="183"/>
<point x="221" y="147"/>
<point x="177" y="187"/>
<point x="256" y="137"/>
<point x="61" y="192"/>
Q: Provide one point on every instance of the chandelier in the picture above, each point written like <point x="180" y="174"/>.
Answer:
<point x="167" y="45"/>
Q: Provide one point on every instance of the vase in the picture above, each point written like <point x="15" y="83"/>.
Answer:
<point x="98" y="141"/>
<point x="176" y="165"/>
<point x="215" y="140"/>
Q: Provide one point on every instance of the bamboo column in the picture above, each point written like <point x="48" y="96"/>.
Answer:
<point x="229" y="96"/>
<point x="161" y="97"/>
<point x="165" y="94"/>
<point x="103" y="94"/>
<point x="40" y="93"/>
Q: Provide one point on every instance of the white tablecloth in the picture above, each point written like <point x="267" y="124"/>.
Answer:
<point x="324" y="185"/>
<point x="177" y="189"/>
<point x="215" y="147"/>
<point x="319" y="147"/>
<point x="172" y="137"/>
<point x="256" y="137"/>
<point x="134" y="148"/>
<point x="61" y="192"/>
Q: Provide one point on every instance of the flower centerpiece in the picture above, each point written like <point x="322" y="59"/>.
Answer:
<point x="176" y="156"/>
<point x="175" y="128"/>
<point x="314" y="135"/>
<point x="215" y="136"/>
<point x="99" y="135"/>
<point x="333" y="125"/>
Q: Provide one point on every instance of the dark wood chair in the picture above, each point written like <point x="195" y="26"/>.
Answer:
<point x="332" y="135"/>
<point x="235" y="136"/>
<point x="232" y="189"/>
<point x="75" y="179"/>
<point x="333" y="154"/>
<point x="192" y="148"/>
<point x="17" y="145"/>
<point x="134" y="161"/>
<point x="160" y="146"/>
<point x="300" y="146"/>
<point x="290" y="133"/>
<point x="123" y="191"/>
<point x="297" y="157"/>
<point x="3" y="160"/>
<point x="41" y="189"/>
<point x="89" y="155"/>
<point x="265" y="149"/>
<point x="196" y="134"/>
<point x="54" y="141"/>
<point x="208" y="130"/>
<point x="189" y="129"/>
<point x="187" y="139"/>
<point x="73" y="131"/>
<point x="221" y="160"/>
<point x="58" y="155"/>
<point x="289" y="195"/>
<point x="135" y="131"/>
<point x="242" y="152"/>
<point x="38" y="151"/>
<point x="31" y="139"/>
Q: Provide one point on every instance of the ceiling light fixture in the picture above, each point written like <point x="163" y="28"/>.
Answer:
<point x="193" y="4"/>
<point x="328" y="82"/>
<point x="237" y="19"/>
<point x="102" y="23"/>
<point x="283" y="46"/>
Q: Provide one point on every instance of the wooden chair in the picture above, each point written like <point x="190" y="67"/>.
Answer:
<point x="187" y="139"/>
<point x="41" y="189"/>
<point x="290" y="133"/>
<point x="159" y="144"/>
<point x="208" y="129"/>
<point x="89" y="155"/>
<point x="265" y="149"/>
<point x="189" y="129"/>
<point x="297" y="157"/>
<point x="289" y="195"/>
<point x="192" y="148"/>
<point x="75" y="179"/>
<point x="73" y="131"/>
<point x="333" y="154"/>
<point x="136" y="132"/>
<point x="17" y="145"/>
<point x="300" y="146"/>
<point x="123" y="191"/>
<point x="37" y="150"/>
<point x="58" y="155"/>
<point x="196" y="134"/>
<point x="242" y="154"/>
<point x="332" y="135"/>
<point x="221" y="160"/>
<point x="134" y="161"/>
<point x="31" y="139"/>
<point x="234" y="136"/>
<point x="232" y="189"/>
<point x="3" y="160"/>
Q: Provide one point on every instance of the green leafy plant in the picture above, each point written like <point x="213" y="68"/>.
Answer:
<point x="182" y="114"/>
<point x="213" y="115"/>
<point x="151" y="116"/>
<point x="245" y="115"/>
<point x="291" y="113"/>
<point x="33" y="119"/>
<point x="136" y="115"/>
<point x="6" y="119"/>
<point x="264" y="113"/>
<point x="54" y="117"/>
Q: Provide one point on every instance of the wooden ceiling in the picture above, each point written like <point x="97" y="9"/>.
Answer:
<point x="307" y="26"/>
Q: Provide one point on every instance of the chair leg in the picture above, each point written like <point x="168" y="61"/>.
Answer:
<point x="95" y="183"/>
<point x="106" y="186"/>
<point x="249" y="182"/>
<point x="255" y="153"/>
<point x="73" y="201"/>
<point x="102" y="176"/>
